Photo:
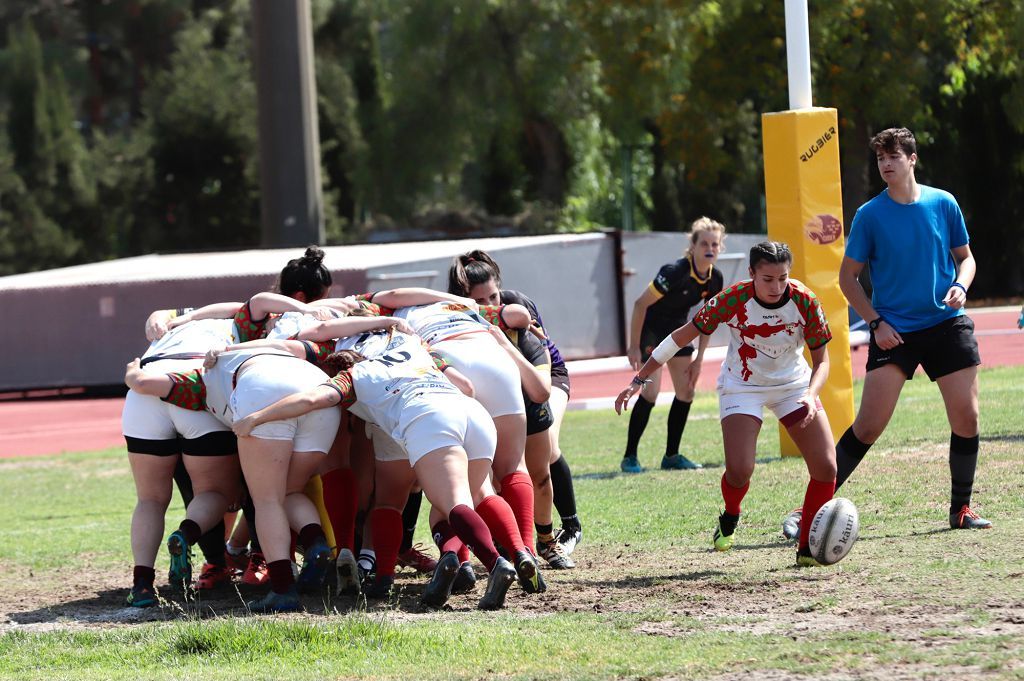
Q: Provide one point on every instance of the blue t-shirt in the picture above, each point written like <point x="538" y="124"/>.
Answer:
<point x="908" y="247"/>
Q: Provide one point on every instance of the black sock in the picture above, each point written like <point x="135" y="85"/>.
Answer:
<point x="143" y="576"/>
<point x="637" y="423"/>
<point x="410" y="514"/>
<point x="311" y="535"/>
<point x="249" y="513"/>
<point x="191" y="530"/>
<point x="544" y="530"/>
<point x="963" y="460"/>
<point x="677" y="416"/>
<point x="849" y="453"/>
<point x="562" y="486"/>
<point x="212" y="545"/>
<point x="184" y="482"/>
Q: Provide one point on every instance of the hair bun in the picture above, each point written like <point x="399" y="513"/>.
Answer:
<point x="314" y="256"/>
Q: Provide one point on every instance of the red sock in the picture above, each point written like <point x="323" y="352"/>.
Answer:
<point x="501" y="522"/>
<point x="447" y="540"/>
<point x="817" y="494"/>
<point x="341" y="499"/>
<point x="463" y="552"/>
<point x="517" y="490"/>
<point x="281" y="577"/>
<point x="472" y="530"/>
<point x="386" y="529"/>
<point x="733" y="496"/>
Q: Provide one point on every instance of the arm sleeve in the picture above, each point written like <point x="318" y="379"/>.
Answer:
<point x="858" y="244"/>
<point x="666" y="279"/>
<point x="188" y="391"/>
<point x="317" y="352"/>
<point x="816" y="331"/>
<point x="719" y="309"/>
<point x="248" y="328"/>
<point x="343" y="384"/>
<point x="492" y="314"/>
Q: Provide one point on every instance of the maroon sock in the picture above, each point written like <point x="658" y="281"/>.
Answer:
<point x="310" y="535"/>
<point x="501" y="522"/>
<point x="341" y="500"/>
<point x="191" y="530"/>
<point x="462" y="552"/>
<point x="386" y="529"/>
<point x="817" y="494"/>
<point x="733" y="496"/>
<point x="517" y="490"/>
<point x="472" y="530"/>
<point x="143" y="575"/>
<point x="447" y="540"/>
<point x="281" y="577"/>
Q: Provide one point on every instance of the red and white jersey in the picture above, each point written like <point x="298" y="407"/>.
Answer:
<point x="766" y="341"/>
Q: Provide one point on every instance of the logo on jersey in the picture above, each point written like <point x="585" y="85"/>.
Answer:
<point x="823" y="229"/>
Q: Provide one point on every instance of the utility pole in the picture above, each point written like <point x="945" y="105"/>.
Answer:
<point x="291" y="200"/>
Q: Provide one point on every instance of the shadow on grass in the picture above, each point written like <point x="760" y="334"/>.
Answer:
<point x="109" y="606"/>
<point x="646" y="581"/>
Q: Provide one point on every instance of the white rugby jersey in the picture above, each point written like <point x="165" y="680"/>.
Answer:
<point x="194" y="338"/>
<point x="439" y="321"/>
<point x="378" y="389"/>
<point x="766" y="341"/>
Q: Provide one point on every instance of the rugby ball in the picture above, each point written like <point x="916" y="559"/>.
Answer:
<point x="834" y="530"/>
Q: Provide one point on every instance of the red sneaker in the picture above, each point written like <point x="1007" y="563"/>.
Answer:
<point x="212" y="576"/>
<point x="256" y="572"/>
<point x="417" y="560"/>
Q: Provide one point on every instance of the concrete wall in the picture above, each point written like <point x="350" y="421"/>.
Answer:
<point x="82" y="330"/>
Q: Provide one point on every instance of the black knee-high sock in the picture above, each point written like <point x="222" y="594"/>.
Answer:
<point x="249" y="512"/>
<point x="637" y="423"/>
<point x="410" y="514"/>
<point x="849" y="452"/>
<point x="184" y="482"/>
<point x="677" y="416"/>
<point x="564" y="492"/>
<point x="963" y="460"/>
<point x="212" y="545"/>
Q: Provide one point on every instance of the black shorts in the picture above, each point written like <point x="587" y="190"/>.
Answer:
<point x="650" y="339"/>
<point x="219" y="443"/>
<point x="942" y="349"/>
<point x="538" y="417"/>
<point x="560" y="378"/>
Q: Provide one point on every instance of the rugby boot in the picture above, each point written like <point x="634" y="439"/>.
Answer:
<point x="439" y="588"/>
<point x="382" y="587"/>
<point x="678" y="462"/>
<point x="498" y="582"/>
<point x="465" y="580"/>
<point x="275" y="602"/>
<point x="791" y="524"/>
<point x="966" y="519"/>
<point x="211" y="576"/>
<point x="416" y="559"/>
<point x="569" y="537"/>
<point x="180" y="572"/>
<point x="349" y="580"/>
<point x="554" y="553"/>
<point x="528" y="571"/>
<point x="315" y="562"/>
<point x="724" y="532"/>
<point x="630" y="464"/>
<point x="805" y="559"/>
<point x="141" y="597"/>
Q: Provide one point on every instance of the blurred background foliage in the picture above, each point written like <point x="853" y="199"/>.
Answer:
<point x="129" y="126"/>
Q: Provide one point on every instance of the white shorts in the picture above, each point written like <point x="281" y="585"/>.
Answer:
<point x="495" y="375"/>
<point x="385" y="447"/>
<point x="740" y="398"/>
<point x="261" y="384"/>
<point x="146" y="417"/>
<point x="446" y="421"/>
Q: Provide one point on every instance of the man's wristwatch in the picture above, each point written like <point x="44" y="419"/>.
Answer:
<point x="873" y="324"/>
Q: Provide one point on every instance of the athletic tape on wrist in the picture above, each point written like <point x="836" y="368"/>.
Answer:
<point x="666" y="350"/>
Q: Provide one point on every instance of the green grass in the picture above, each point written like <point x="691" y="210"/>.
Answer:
<point x="649" y="599"/>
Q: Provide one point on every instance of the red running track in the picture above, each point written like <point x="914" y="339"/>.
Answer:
<point x="40" y="427"/>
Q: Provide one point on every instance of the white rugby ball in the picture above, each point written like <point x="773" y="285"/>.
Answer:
<point x="834" y="530"/>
